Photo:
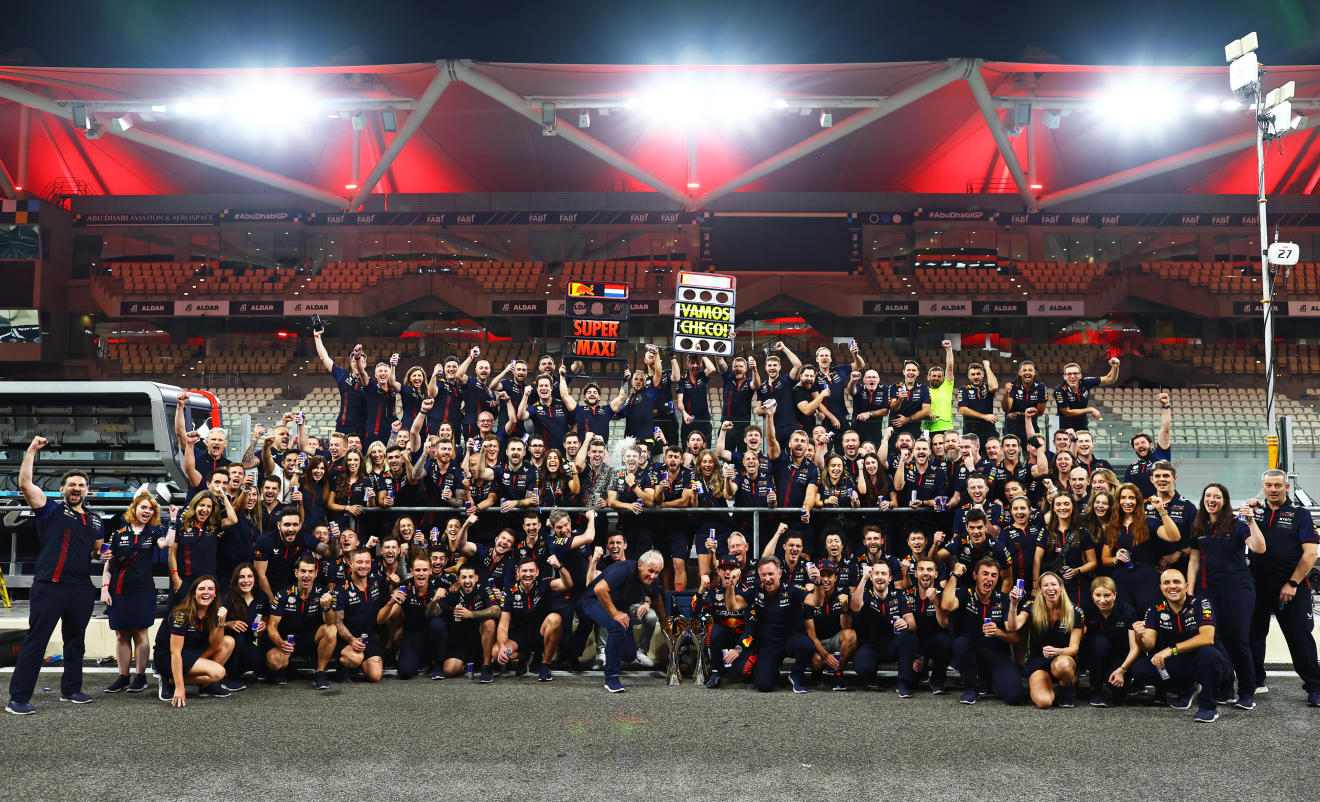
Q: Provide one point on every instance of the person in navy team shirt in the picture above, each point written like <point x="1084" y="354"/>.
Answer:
<point x="909" y="402"/>
<point x="1073" y="395"/>
<point x="692" y="404"/>
<point x="69" y="538"/>
<point x="1023" y="398"/>
<point x="779" y="389"/>
<point x="981" y="646"/>
<point x="976" y="401"/>
<point x="775" y="630"/>
<point x="549" y="415"/>
<point x="1151" y="450"/>
<point x="741" y="381"/>
<point x="128" y="591"/>
<point x="1218" y="566"/>
<point x="198" y="645"/>
<point x="359" y="611"/>
<point x="609" y="600"/>
<point x="1283" y="589"/>
<point x="351" y="384"/>
<point x="1178" y="636"/>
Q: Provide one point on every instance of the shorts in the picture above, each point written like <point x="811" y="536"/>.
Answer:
<point x="190" y="655"/>
<point x="528" y="640"/>
<point x="464" y="643"/>
<point x="680" y="544"/>
<point x="372" y="650"/>
<point x="132" y="611"/>
<point x="833" y="644"/>
<point x="1036" y="662"/>
<point x="304" y="644"/>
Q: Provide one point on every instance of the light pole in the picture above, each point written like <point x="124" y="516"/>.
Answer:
<point x="1273" y="115"/>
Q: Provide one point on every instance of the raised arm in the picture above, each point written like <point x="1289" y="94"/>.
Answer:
<point x="1110" y="378"/>
<point x="321" y="353"/>
<point x="792" y="358"/>
<point x="570" y="403"/>
<point x="461" y="377"/>
<point x="991" y="381"/>
<point x="948" y="359"/>
<point x="33" y="495"/>
<point x="1165" y="438"/>
<point x="769" y="550"/>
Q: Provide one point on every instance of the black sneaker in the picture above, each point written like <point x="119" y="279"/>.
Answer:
<point x="322" y="684"/>
<point x="342" y="676"/>
<point x="138" y="685"/>
<point x="437" y="673"/>
<point x="215" y="690"/>
<point x="166" y="692"/>
<point x="714" y="681"/>
<point x="121" y="683"/>
<point x="486" y="675"/>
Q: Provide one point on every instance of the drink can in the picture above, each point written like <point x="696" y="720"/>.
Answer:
<point x="1021" y="584"/>
<point x="256" y="620"/>
<point x="810" y="565"/>
<point x="105" y="552"/>
<point x="989" y="620"/>
<point x="363" y="637"/>
<point x="289" y="640"/>
<point x="389" y="494"/>
<point x="728" y="663"/>
<point x="435" y="534"/>
<point x="656" y="433"/>
<point x="838" y="658"/>
<point x="895" y="622"/>
<point x="1164" y="673"/>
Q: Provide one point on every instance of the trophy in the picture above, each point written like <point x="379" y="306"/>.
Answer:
<point x="697" y="630"/>
<point x="675" y="629"/>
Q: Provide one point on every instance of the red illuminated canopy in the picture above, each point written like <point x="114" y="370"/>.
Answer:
<point x="698" y="136"/>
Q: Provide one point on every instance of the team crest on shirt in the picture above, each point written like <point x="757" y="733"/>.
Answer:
<point x="1164" y="616"/>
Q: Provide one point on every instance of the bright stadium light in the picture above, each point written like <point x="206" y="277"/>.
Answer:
<point x="701" y="101"/>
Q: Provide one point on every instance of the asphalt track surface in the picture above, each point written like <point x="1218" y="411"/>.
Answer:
<point x="521" y="739"/>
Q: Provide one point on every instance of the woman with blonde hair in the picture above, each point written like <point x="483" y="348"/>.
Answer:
<point x="128" y="590"/>
<point x="1056" y="627"/>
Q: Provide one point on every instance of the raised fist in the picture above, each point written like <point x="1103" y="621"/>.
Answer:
<point x="946" y="344"/>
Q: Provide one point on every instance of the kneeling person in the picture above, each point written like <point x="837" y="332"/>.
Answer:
<point x="1178" y="635"/>
<point x="526" y="623"/>
<point x="359" y="610"/>
<point x="302" y="624"/>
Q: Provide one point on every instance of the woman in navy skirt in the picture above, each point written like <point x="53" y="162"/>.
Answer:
<point x="128" y="590"/>
<point x="198" y="646"/>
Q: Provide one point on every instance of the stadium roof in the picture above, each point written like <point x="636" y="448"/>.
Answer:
<point x="693" y="134"/>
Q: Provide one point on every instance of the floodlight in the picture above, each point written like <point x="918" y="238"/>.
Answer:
<point x="123" y="123"/>
<point x="1206" y="105"/>
<point x="358" y="123"/>
<point x="1243" y="72"/>
<point x="389" y="121"/>
<point x="1051" y="119"/>
<point x="548" y="119"/>
<point x="1281" y="95"/>
<point x="1240" y="47"/>
<point x="1231" y="105"/>
<point x="80" y="119"/>
<point x="1022" y="115"/>
<point x="826" y="119"/>
<point x="584" y="119"/>
<point x="779" y="103"/>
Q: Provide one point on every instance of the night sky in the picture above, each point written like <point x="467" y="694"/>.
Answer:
<point x="226" y="33"/>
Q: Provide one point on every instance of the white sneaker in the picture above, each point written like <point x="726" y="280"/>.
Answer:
<point x="599" y="662"/>
<point x="644" y="660"/>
